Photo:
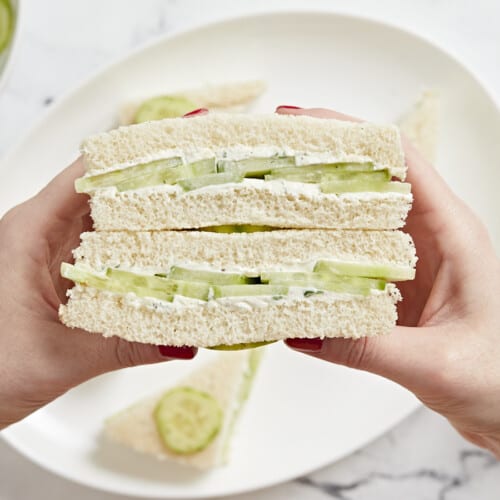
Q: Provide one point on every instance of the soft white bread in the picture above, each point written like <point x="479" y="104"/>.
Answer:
<point x="217" y="132"/>
<point x="270" y="203"/>
<point x="258" y="251"/>
<point x="135" y="428"/>
<point x="421" y="124"/>
<point x="218" y="322"/>
<point x="229" y="321"/>
<point x="230" y="96"/>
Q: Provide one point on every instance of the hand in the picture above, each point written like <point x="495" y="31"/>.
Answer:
<point x="40" y="358"/>
<point x="446" y="347"/>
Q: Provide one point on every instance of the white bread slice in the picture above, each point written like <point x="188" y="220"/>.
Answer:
<point x="258" y="251"/>
<point x="281" y="206"/>
<point x="222" y="378"/>
<point x="214" y="323"/>
<point x="229" y="321"/>
<point x="217" y="132"/>
<point x="230" y="96"/>
<point x="421" y="123"/>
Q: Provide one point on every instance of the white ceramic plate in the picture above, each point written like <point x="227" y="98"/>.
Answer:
<point x="303" y="413"/>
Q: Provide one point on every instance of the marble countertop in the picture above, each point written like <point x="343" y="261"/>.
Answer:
<point x="63" y="42"/>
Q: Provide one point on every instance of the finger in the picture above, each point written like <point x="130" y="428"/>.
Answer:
<point x="58" y="200"/>
<point x="196" y="112"/>
<point x="406" y="356"/>
<point x="315" y="112"/>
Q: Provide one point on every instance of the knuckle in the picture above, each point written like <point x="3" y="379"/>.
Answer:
<point x="125" y="353"/>
<point x="357" y="353"/>
<point x="130" y="353"/>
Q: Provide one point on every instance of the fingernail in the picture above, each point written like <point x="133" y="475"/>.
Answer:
<point x="305" y="345"/>
<point x="199" y="111"/>
<point x="184" y="352"/>
<point x="284" y="106"/>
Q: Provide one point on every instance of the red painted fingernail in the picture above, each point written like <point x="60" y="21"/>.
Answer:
<point x="184" y="352"/>
<point x="284" y="106"/>
<point x="195" y="112"/>
<point x="305" y="345"/>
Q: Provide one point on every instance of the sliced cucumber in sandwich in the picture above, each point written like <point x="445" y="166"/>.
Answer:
<point x="209" y="180"/>
<point x="188" y="420"/>
<point x="129" y="174"/>
<point x="158" y="108"/>
<point x="79" y="275"/>
<point x="315" y="173"/>
<point x="349" y="182"/>
<point x="383" y="271"/>
<point x="249" y="290"/>
<point x="167" y="171"/>
<point x="193" y="289"/>
<point x="324" y="282"/>
<point x="256" y="167"/>
<point x="210" y="277"/>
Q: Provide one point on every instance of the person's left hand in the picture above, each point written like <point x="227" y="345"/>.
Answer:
<point x="40" y="358"/>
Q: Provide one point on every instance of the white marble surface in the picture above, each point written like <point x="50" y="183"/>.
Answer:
<point x="63" y="42"/>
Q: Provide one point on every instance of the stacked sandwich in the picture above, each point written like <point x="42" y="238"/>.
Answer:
<point x="229" y="230"/>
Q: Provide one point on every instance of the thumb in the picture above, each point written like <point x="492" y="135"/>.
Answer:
<point x="408" y="356"/>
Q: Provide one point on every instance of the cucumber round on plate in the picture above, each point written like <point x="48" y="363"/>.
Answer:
<point x="188" y="420"/>
<point x="6" y="23"/>
<point x="158" y="108"/>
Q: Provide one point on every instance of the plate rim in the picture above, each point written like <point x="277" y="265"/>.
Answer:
<point x="163" y="38"/>
<point x="191" y="28"/>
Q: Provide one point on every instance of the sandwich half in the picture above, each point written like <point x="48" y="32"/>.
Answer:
<point x="213" y="289"/>
<point x="193" y="422"/>
<point x="229" y="169"/>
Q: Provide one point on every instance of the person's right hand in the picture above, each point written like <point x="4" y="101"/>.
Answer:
<point x="446" y="347"/>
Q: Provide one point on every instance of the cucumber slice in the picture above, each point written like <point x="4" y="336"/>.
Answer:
<point x="309" y="177"/>
<point x="374" y="176"/>
<point x="209" y="180"/>
<point x="79" y="275"/>
<point x="249" y="290"/>
<point x="244" y="228"/>
<point x="201" y="167"/>
<point x="6" y="23"/>
<point x="353" y="186"/>
<point x="157" y="284"/>
<point x="367" y="166"/>
<point x="240" y="347"/>
<point x="166" y="106"/>
<point x="333" y="283"/>
<point x="256" y="167"/>
<point x="384" y="271"/>
<point x="128" y="175"/>
<point x="314" y="173"/>
<point x="187" y="420"/>
<point x="210" y="277"/>
<point x="155" y="173"/>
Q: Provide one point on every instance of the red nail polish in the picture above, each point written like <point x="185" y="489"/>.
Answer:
<point x="195" y="112"/>
<point x="184" y="352"/>
<point x="306" y="345"/>
<point x="283" y="106"/>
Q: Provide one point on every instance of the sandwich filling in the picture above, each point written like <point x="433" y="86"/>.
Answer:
<point x="184" y="284"/>
<point x="323" y="174"/>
